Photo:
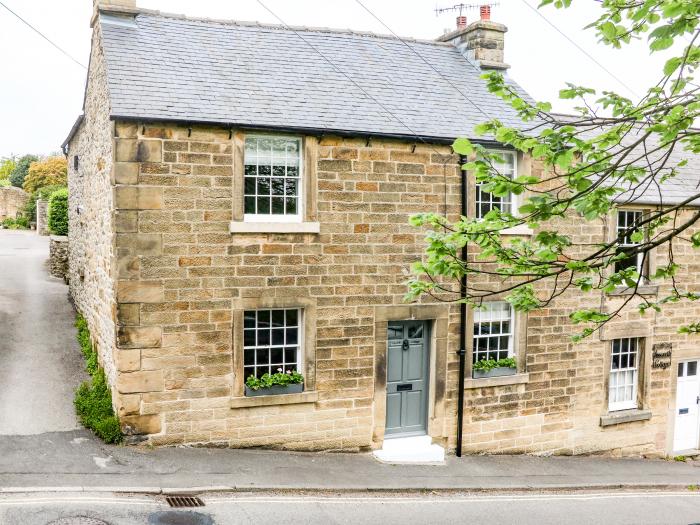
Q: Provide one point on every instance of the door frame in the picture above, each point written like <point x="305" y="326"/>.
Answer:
<point x="437" y="318"/>
<point x="674" y="404"/>
<point x="427" y="330"/>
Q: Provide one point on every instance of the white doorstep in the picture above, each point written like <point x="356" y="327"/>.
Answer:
<point x="414" y="449"/>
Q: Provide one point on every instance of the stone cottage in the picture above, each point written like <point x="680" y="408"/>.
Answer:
<point x="240" y="197"/>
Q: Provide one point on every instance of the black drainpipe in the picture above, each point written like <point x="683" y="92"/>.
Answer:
<point x="462" y="352"/>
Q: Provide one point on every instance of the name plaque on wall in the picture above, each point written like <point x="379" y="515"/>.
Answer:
<point x="661" y="355"/>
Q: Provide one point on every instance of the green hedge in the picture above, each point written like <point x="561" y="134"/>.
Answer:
<point x="93" y="399"/>
<point x="58" y="212"/>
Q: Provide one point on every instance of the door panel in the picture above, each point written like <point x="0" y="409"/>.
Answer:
<point x="407" y="373"/>
<point x="687" y="421"/>
<point x="394" y="367"/>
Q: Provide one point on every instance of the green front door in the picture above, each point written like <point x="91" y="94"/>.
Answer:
<point x="407" y="377"/>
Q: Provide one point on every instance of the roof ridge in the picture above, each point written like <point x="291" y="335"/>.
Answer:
<point x="283" y="27"/>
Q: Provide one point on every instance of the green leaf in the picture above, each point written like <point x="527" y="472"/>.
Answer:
<point x="463" y="146"/>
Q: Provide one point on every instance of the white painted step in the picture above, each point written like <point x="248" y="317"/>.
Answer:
<point x="414" y="449"/>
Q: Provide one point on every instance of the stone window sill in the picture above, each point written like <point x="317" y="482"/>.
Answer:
<point x="283" y="399"/>
<point x="522" y="229"/>
<point x="515" y="379"/>
<point x="645" y="289"/>
<point x="624" y="416"/>
<point x="274" y="227"/>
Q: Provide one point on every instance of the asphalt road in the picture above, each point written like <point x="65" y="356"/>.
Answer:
<point x="41" y="362"/>
<point x="535" y="509"/>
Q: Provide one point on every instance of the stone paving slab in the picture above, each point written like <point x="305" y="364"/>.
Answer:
<point x="78" y="461"/>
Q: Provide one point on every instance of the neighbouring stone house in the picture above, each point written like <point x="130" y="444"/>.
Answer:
<point x="240" y="196"/>
<point x="12" y="202"/>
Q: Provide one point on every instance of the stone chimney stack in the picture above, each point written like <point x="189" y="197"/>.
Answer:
<point x="482" y="41"/>
<point x="112" y="6"/>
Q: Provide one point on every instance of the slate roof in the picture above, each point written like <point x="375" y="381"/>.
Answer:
<point x="175" y="68"/>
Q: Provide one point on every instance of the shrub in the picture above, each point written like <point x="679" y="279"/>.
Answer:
<point x="93" y="399"/>
<point x="93" y="402"/>
<point x="43" y="194"/>
<point x="21" y="169"/>
<point x="58" y="212"/>
<point x="5" y="183"/>
<point x="86" y="345"/>
<point x="20" y="223"/>
<point x="49" y="172"/>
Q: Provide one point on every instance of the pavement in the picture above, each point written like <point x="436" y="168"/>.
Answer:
<point x="41" y="362"/>
<point x="77" y="461"/>
<point x="43" y="449"/>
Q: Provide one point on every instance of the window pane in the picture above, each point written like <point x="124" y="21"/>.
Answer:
<point x="263" y="337"/>
<point x="291" y="204"/>
<point x="278" y="336"/>
<point x="277" y="318"/>
<point x="249" y="337"/>
<point x="292" y="317"/>
<point x="263" y="205"/>
<point x="250" y="205"/>
<point x="264" y="171"/>
<point x="277" y="206"/>
<point x="249" y="357"/>
<point x="680" y="369"/>
<point x="277" y="186"/>
<point x="277" y="356"/>
<point x="692" y="368"/>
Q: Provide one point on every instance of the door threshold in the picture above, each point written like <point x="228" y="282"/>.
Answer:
<point x="410" y="450"/>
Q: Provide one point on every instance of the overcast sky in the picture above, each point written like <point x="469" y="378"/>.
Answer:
<point x="41" y="90"/>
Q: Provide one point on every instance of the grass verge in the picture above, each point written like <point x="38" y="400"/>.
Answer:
<point x="93" y="399"/>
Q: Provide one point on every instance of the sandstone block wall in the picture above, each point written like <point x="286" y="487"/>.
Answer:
<point x="12" y="202"/>
<point x="181" y="279"/>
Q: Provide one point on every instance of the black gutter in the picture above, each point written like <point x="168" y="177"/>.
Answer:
<point x="302" y="129"/>
<point x="462" y="351"/>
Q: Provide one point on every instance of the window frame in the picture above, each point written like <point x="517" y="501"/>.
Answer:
<point x="626" y="404"/>
<point x="300" y="364"/>
<point x="308" y="335"/>
<point x="299" y="216"/>
<point x="513" y="201"/>
<point x="642" y="264"/>
<point x="512" y="336"/>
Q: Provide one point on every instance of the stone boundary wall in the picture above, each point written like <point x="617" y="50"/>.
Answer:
<point x="58" y="256"/>
<point x="42" y="216"/>
<point x="12" y="202"/>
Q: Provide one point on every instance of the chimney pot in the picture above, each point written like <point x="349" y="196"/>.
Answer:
<point x="461" y="22"/>
<point x="485" y="12"/>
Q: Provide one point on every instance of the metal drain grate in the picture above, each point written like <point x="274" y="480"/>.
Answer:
<point x="184" y="501"/>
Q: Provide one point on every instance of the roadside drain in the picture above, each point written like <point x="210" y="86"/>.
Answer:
<point x="77" y="520"/>
<point x="172" y="517"/>
<point x="184" y="501"/>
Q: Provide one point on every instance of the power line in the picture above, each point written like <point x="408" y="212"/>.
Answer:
<point x="537" y="11"/>
<point x="42" y="35"/>
<point x="426" y="61"/>
<point x="358" y="86"/>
